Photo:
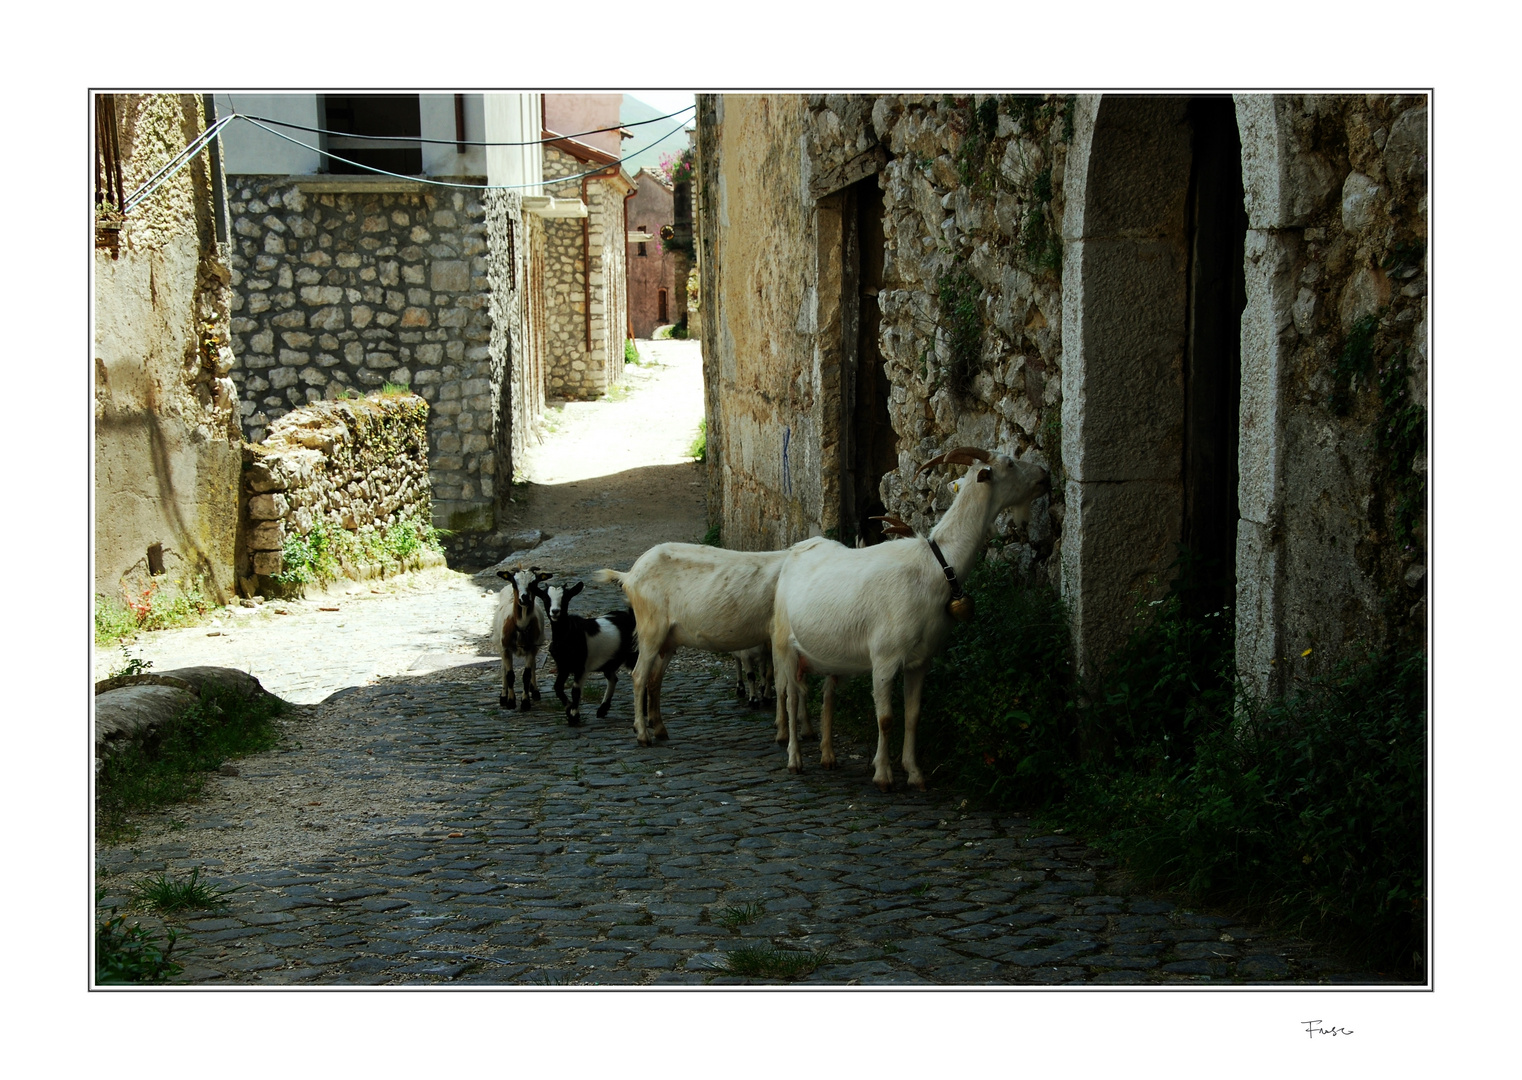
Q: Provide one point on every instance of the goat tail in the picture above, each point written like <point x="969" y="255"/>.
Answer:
<point x="602" y="577"/>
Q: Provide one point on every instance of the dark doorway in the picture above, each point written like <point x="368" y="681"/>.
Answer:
<point x="661" y="305"/>
<point x="390" y="125"/>
<point x="873" y="445"/>
<point x="1217" y="224"/>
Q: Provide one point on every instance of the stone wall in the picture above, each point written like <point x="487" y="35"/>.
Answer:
<point x="760" y="375"/>
<point x="166" y="420"/>
<point x="354" y="466"/>
<point x="586" y="307"/>
<point x="1036" y="297"/>
<point x="347" y="284"/>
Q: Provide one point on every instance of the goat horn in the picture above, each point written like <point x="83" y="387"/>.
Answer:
<point x="894" y="523"/>
<point x="961" y="455"/>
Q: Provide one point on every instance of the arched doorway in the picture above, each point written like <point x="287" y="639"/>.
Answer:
<point x="1153" y="299"/>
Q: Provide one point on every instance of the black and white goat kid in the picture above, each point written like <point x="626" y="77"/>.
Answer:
<point x="518" y="629"/>
<point x="581" y="646"/>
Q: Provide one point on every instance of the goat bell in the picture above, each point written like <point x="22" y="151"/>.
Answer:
<point x="962" y="608"/>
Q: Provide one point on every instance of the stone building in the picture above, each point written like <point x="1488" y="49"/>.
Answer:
<point x="167" y="437"/>
<point x="1207" y="316"/>
<point x="346" y="279"/>
<point x="652" y="269"/>
<point x="586" y="291"/>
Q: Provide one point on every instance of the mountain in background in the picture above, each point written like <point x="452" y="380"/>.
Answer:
<point x="641" y="155"/>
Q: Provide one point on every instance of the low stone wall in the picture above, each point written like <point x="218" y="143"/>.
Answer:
<point x="359" y="466"/>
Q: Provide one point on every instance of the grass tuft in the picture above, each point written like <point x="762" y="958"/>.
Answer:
<point x="167" y="895"/>
<point x="744" y="915"/>
<point x="774" y="962"/>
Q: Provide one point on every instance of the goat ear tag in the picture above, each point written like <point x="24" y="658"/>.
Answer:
<point x="984" y="475"/>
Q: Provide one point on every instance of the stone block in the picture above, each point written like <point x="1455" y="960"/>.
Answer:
<point x="268" y="507"/>
<point x="268" y="536"/>
<point x="449" y="276"/>
<point x="268" y="563"/>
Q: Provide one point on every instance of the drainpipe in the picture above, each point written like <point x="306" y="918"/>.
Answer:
<point x="628" y="320"/>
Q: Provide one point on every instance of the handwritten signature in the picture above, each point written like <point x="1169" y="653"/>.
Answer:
<point x="1314" y="1028"/>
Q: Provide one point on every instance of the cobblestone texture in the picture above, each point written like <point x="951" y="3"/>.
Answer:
<point x="461" y="843"/>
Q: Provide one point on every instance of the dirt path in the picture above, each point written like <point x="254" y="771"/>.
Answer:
<point x="616" y="476"/>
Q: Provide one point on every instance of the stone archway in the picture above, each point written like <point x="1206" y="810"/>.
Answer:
<point x="1142" y="353"/>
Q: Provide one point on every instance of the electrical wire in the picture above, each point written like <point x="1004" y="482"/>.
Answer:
<point x="448" y="184"/>
<point x="458" y="142"/>
<point x="175" y="164"/>
<point x="187" y="155"/>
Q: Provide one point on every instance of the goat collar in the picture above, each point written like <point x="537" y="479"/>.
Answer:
<point x="951" y="575"/>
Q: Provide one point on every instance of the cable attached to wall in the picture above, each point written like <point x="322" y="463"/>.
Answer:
<point x="185" y="156"/>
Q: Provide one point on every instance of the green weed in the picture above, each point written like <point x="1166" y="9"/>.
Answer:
<point x="132" y="954"/>
<point x="699" y="448"/>
<point x="744" y="915"/>
<point x="713" y="536"/>
<point x="156" y="607"/>
<point x="631" y="352"/>
<point x="167" y="895"/>
<point x="773" y="962"/>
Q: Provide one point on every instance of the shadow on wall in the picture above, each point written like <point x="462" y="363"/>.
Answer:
<point x="187" y="542"/>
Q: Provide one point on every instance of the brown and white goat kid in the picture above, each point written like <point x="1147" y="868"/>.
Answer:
<point x="519" y="628"/>
<point x="698" y="596"/>
<point x="886" y="609"/>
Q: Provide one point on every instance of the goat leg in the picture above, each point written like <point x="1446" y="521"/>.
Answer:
<point x="826" y="724"/>
<point x="611" y="674"/>
<point x="528" y="678"/>
<point x="658" y="676"/>
<point x="882" y="697"/>
<point x="914" y="682"/>
<point x="531" y="676"/>
<point x="573" y="711"/>
<point x="506" y="699"/>
<point x="642" y="680"/>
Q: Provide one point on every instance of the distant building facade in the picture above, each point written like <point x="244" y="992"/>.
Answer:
<point x="652" y="268"/>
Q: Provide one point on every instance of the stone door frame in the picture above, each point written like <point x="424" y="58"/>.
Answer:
<point x="1124" y="291"/>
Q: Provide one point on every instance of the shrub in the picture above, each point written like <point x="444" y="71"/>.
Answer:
<point x="156" y="607"/>
<point x="699" y="448"/>
<point x="1306" y="811"/>
<point x="997" y="717"/>
<point x="131" y="954"/>
<point x="631" y="352"/>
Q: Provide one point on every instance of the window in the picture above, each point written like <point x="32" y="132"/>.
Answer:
<point x="392" y="122"/>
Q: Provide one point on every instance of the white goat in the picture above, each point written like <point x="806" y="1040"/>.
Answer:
<point x="886" y="608"/>
<point x="518" y="628"/>
<point x="699" y="596"/>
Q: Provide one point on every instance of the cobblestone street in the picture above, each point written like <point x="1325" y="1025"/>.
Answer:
<point x="410" y="831"/>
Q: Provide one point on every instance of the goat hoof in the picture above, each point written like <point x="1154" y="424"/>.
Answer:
<point x="602" y="712"/>
<point x="504" y="701"/>
<point x="523" y="705"/>
<point x="823" y="764"/>
<point x="574" y="721"/>
<point x="884" y="786"/>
